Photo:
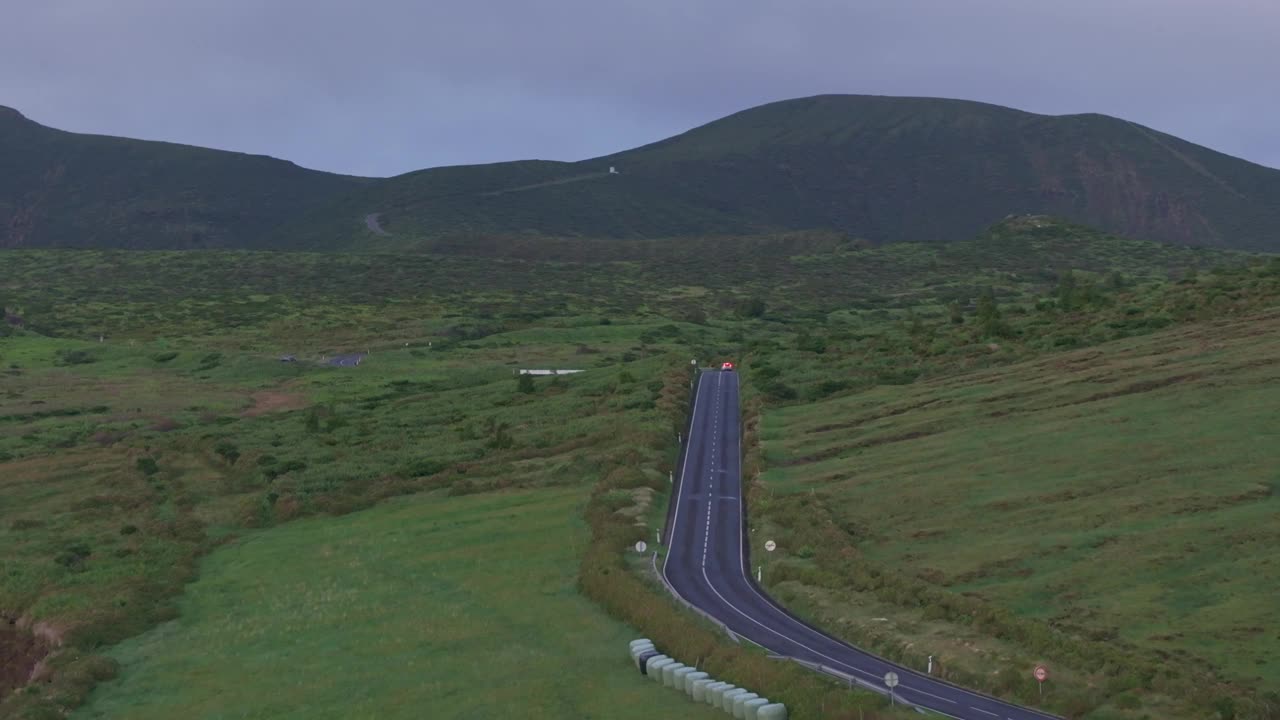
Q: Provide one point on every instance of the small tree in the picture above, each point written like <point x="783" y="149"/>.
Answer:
<point x="1066" y="291"/>
<point x="229" y="452"/>
<point x="499" y="435"/>
<point x="753" y="308"/>
<point x="525" y="384"/>
<point x="990" y="321"/>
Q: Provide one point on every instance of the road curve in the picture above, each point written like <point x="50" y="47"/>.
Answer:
<point x="707" y="565"/>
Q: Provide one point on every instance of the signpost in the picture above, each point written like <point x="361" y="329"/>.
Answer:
<point x="640" y="546"/>
<point x="891" y="680"/>
<point x="1041" y="673"/>
<point x="769" y="546"/>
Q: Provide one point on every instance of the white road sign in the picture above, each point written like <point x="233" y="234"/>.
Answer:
<point x="770" y="545"/>
<point x="640" y="546"/>
<point x="891" y="679"/>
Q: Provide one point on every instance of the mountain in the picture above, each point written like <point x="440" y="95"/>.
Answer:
<point x="883" y="169"/>
<point x="62" y="189"/>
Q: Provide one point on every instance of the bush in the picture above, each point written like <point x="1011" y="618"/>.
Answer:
<point x="422" y="467"/>
<point x="73" y="357"/>
<point x="829" y="387"/>
<point x="525" y="384"/>
<point x="780" y="391"/>
<point x="147" y="466"/>
<point x="752" y="308"/>
<point x="164" y="357"/>
<point x="229" y="452"/>
<point x="273" y="472"/>
<point x="73" y="557"/>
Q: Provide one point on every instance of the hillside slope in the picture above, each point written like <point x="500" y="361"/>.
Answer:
<point x="61" y="189"/>
<point x="885" y="169"/>
<point x="882" y="168"/>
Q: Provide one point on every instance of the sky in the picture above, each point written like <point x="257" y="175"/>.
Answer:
<point x="382" y="87"/>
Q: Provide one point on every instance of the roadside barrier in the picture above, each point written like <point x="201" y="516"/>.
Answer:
<point x="736" y="702"/>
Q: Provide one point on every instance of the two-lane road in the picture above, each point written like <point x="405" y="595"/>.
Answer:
<point x="707" y="565"/>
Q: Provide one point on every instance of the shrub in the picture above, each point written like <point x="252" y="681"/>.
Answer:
<point x="73" y="357"/>
<point x="752" y="308"/>
<point x="525" y="384"/>
<point x="422" y="467"/>
<point x="780" y="391"/>
<point x="73" y="557"/>
<point x="228" y="450"/>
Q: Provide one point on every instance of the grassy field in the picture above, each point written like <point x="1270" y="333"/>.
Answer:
<point x="384" y="614"/>
<point x="124" y="462"/>
<point x="1125" y="494"/>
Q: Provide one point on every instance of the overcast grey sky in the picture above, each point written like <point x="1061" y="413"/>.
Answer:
<point x="380" y="87"/>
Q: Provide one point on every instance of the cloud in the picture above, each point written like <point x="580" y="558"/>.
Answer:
<point x="388" y="86"/>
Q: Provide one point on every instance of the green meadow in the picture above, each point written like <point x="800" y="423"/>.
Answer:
<point x="1121" y="498"/>
<point x="1047" y="444"/>
<point x="430" y="606"/>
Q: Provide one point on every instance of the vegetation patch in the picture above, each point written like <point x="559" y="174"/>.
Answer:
<point x="1064" y="504"/>
<point x="382" y="613"/>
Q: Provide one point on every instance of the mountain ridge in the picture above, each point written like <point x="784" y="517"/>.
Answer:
<point x="883" y="168"/>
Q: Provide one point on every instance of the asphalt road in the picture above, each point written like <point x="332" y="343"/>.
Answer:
<point x="707" y="565"/>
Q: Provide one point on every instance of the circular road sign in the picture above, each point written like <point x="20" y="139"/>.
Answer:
<point x="1041" y="673"/>
<point x="891" y="679"/>
<point x="770" y="545"/>
<point x="640" y="546"/>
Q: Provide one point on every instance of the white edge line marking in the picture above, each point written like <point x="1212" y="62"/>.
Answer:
<point x="742" y="567"/>
<point x="678" y="490"/>
<point x="742" y="560"/>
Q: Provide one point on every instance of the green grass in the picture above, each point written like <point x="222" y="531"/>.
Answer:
<point x="98" y="545"/>
<point x="123" y="462"/>
<point x="384" y="614"/>
<point x="1126" y="493"/>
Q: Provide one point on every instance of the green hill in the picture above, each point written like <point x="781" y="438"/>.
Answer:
<point x="885" y="169"/>
<point x="61" y="189"/>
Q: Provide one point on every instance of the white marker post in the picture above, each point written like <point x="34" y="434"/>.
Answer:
<point x="930" y="665"/>
<point x="891" y="680"/>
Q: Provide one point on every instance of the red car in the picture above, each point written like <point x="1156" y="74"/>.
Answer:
<point x="726" y="366"/>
